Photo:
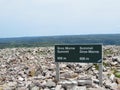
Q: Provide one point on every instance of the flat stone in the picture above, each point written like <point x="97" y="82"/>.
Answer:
<point x="35" y="88"/>
<point x="12" y="84"/>
<point x="108" y="84"/>
<point x="114" y="63"/>
<point x="58" y="87"/>
<point x="98" y="88"/>
<point x="79" y="88"/>
<point x="20" y="78"/>
<point x="84" y="82"/>
<point x="74" y="82"/>
<point x="6" y="87"/>
<point x="22" y="88"/>
<point x="96" y="81"/>
<point x="114" y="86"/>
<point x="112" y="77"/>
<point x="65" y="83"/>
<point x="50" y="83"/>
<point x="46" y="89"/>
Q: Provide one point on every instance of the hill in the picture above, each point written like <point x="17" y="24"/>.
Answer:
<point x="106" y="39"/>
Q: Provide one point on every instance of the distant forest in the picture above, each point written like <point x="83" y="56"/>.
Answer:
<point x="105" y="39"/>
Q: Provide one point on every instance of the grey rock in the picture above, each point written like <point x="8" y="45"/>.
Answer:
<point x="46" y="89"/>
<point x="20" y="78"/>
<point x="58" y="87"/>
<point x="108" y="84"/>
<point x="12" y="84"/>
<point x="84" y="82"/>
<point x="112" y="77"/>
<point x="35" y="88"/>
<point x="22" y="88"/>
<point x="96" y="81"/>
<point x="98" y="88"/>
<point x="78" y="88"/>
<point x="114" y="86"/>
<point x="50" y="83"/>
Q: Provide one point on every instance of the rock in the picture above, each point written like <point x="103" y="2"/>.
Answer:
<point x="1" y="88"/>
<point x="20" y="78"/>
<point x="112" y="77"/>
<point x="12" y="84"/>
<point x="44" y="83"/>
<point x="84" y="82"/>
<point x="114" y="86"/>
<point x="62" y="66"/>
<point x="98" y="88"/>
<point x="32" y="72"/>
<point x="22" y="88"/>
<point x="58" y="87"/>
<point x="108" y="84"/>
<point x="71" y="66"/>
<point x="74" y="82"/>
<point x="96" y="81"/>
<point x="78" y="88"/>
<point x="78" y="70"/>
<point x="118" y="80"/>
<point x="46" y="89"/>
<point x="89" y="66"/>
<point x="68" y="75"/>
<point x="6" y="87"/>
<point x="116" y="58"/>
<point x="114" y="63"/>
<point x="35" y="88"/>
<point x="118" y="88"/>
<point x="66" y="84"/>
<point x="50" y="83"/>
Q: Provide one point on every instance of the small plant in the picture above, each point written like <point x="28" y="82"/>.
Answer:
<point x="117" y="74"/>
<point x="96" y="66"/>
<point x="105" y="64"/>
<point x="108" y="52"/>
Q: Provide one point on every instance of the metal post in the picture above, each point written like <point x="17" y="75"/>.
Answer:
<point x="100" y="74"/>
<point x="57" y="71"/>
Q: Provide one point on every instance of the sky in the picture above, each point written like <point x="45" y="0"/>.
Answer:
<point x="20" y="18"/>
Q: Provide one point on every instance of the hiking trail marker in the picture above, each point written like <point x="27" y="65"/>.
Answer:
<point x="85" y="53"/>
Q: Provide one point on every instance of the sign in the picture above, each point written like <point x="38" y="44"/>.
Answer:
<point x="78" y="53"/>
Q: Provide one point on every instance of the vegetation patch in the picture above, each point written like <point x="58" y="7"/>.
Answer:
<point x="117" y="74"/>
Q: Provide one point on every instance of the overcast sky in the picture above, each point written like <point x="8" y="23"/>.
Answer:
<point x="19" y="18"/>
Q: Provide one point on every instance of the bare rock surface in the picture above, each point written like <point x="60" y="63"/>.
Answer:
<point x="34" y="69"/>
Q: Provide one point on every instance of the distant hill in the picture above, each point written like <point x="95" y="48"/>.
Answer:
<point x="106" y="39"/>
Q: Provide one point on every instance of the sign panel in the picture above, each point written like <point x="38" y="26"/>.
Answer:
<point x="78" y="53"/>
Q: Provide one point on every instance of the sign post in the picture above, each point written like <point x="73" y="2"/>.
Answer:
<point x="100" y="74"/>
<point x="57" y="71"/>
<point x="79" y="54"/>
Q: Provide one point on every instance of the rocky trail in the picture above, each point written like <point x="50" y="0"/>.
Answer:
<point x="34" y="69"/>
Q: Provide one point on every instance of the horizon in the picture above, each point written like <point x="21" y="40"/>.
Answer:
<point x="55" y="18"/>
<point x="58" y="35"/>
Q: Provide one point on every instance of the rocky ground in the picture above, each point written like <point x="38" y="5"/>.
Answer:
<point x="34" y="69"/>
